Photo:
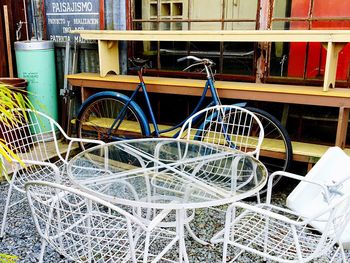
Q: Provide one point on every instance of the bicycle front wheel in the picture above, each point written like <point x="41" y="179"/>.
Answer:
<point x="96" y="119"/>
<point x="276" y="152"/>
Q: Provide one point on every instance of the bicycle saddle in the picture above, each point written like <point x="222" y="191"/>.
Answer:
<point x="138" y="61"/>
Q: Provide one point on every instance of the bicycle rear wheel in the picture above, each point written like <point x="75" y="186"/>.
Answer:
<point x="276" y="152"/>
<point x="98" y="113"/>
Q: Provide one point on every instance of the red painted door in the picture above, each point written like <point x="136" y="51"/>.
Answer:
<point x="313" y="54"/>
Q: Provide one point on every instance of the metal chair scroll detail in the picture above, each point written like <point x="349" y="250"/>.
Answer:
<point x="85" y="228"/>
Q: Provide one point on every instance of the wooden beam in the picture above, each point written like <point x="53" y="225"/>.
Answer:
<point x="330" y="73"/>
<point x="8" y="42"/>
<point x="343" y="121"/>
<point x="3" y="60"/>
<point x="224" y="35"/>
<point x="108" y="52"/>
<point x="307" y="95"/>
<point x="108" y="42"/>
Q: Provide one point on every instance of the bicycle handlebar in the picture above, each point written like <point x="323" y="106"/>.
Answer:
<point x="190" y="57"/>
<point x="204" y="61"/>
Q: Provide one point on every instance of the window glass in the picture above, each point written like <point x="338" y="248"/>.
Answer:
<point x="231" y="58"/>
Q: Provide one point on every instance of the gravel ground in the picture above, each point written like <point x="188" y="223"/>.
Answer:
<point x="22" y="240"/>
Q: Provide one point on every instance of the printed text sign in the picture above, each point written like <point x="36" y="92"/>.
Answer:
<point x="63" y="16"/>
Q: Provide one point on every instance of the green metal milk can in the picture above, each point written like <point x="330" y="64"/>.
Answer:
<point x="36" y="63"/>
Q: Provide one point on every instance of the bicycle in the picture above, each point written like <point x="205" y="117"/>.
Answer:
<point x="110" y="115"/>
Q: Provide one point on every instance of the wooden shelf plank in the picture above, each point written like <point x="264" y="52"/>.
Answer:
<point x="220" y="35"/>
<point x="303" y="152"/>
<point x="337" y="97"/>
<point x="332" y="40"/>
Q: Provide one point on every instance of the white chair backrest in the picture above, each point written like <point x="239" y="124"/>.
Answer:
<point x="307" y="200"/>
<point x="225" y="125"/>
<point x="28" y="138"/>
<point x="82" y="227"/>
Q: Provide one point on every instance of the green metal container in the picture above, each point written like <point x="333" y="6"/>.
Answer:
<point x="36" y="63"/>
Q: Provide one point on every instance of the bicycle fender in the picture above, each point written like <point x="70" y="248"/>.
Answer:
<point x="125" y="99"/>
<point x="240" y="104"/>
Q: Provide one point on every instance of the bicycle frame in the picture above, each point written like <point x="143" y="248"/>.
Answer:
<point x="141" y="87"/>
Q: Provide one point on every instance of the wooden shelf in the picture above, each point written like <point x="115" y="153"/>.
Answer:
<point x="305" y="95"/>
<point x="336" y="36"/>
<point x="332" y="40"/>
<point x="337" y="97"/>
<point x="302" y="152"/>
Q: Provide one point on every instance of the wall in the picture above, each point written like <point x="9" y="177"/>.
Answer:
<point x="15" y="14"/>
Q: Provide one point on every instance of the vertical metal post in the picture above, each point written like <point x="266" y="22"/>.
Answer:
<point x="158" y="27"/>
<point x="120" y="23"/>
<point x="221" y="59"/>
<point x="264" y="24"/>
<point x="35" y="26"/>
<point x="26" y="19"/>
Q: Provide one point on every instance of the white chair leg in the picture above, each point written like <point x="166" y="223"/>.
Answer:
<point x="194" y="236"/>
<point x="2" y="233"/>
<point x="145" y="255"/>
<point x="226" y="234"/>
<point x="42" y="250"/>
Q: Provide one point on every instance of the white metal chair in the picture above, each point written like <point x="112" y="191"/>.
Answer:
<point x="225" y="125"/>
<point x="36" y="140"/>
<point x="279" y="234"/>
<point x="220" y="126"/>
<point x="85" y="228"/>
<point x="332" y="168"/>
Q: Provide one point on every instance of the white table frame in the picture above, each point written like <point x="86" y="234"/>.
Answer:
<point x="181" y="216"/>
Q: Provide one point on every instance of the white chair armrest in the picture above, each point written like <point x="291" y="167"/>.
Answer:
<point x="289" y="175"/>
<point x="267" y="213"/>
<point x="73" y="140"/>
<point x="41" y="163"/>
<point x="98" y="142"/>
<point x="219" y="236"/>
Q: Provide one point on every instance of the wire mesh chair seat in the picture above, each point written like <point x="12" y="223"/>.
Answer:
<point x="232" y="173"/>
<point x="279" y="234"/>
<point x="35" y="139"/>
<point x="85" y="228"/>
<point x="39" y="172"/>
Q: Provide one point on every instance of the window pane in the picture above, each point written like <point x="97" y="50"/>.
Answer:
<point x="238" y="58"/>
